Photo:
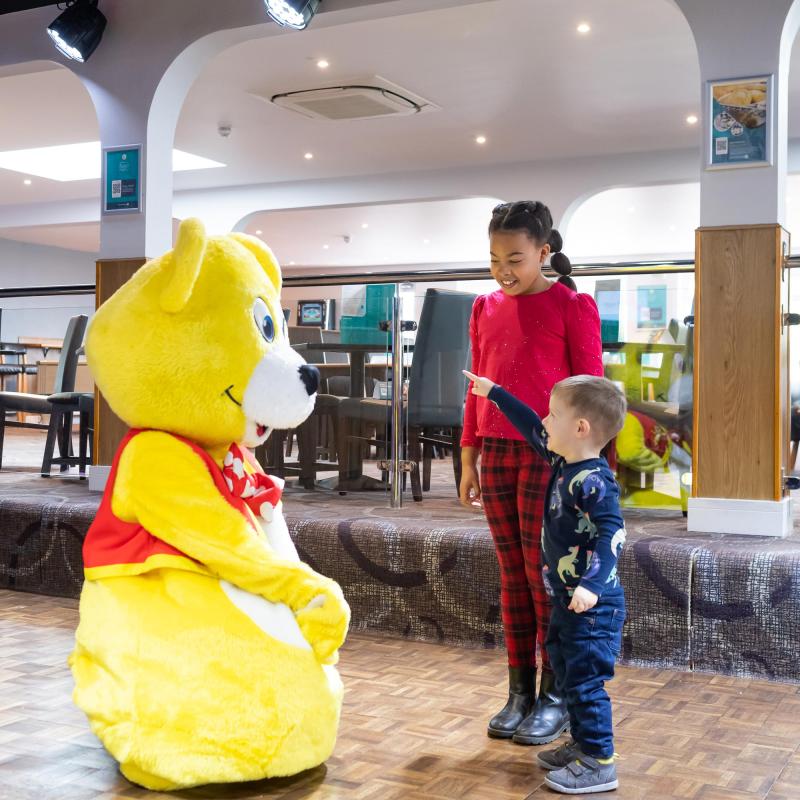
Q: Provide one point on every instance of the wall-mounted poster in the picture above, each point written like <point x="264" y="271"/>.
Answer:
<point x="651" y="307"/>
<point x="122" y="179"/>
<point x="740" y="123"/>
<point x="607" y="295"/>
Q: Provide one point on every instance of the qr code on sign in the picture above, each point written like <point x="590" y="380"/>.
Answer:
<point x="721" y="145"/>
<point x="116" y="188"/>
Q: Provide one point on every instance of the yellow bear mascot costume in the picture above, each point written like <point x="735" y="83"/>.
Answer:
<point x="205" y="648"/>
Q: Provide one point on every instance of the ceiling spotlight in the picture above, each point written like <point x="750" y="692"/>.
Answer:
<point x="27" y="181"/>
<point x="323" y="64"/>
<point x="692" y="119"/>
<point x="325" y="246"/>
<point x="584" y="27"/>
<point x="292" y="13"/>
<point x="480" y="139"/>
<point x="258" y="233"/>
<point x="308" y="156"/>
<point x="77" y="31"/>
<point x="365" y="225"/>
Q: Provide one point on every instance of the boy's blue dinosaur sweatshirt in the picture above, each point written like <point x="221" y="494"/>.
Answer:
<point x="583" y="529"/>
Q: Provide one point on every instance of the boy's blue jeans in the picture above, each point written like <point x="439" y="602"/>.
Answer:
<point x="583" y="649"/>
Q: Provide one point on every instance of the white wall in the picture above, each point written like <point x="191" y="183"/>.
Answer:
<point x="29" y="265"/>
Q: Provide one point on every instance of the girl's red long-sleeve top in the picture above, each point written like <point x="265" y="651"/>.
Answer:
<point x="527" y="344"/>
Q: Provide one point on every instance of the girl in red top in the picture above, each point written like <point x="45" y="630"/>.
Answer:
<point x="526" y="336"/>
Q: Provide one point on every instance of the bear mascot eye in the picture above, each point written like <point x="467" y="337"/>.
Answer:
<point x="263" y="319"/>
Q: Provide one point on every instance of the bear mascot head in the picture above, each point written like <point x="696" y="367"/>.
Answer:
<point x="205" y="651"/>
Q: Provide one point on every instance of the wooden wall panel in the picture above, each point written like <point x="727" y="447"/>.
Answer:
<point x="741" y="363"/>
<point x="109" y="429"/>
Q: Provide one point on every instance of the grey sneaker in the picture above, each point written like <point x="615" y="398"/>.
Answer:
<point x="560" y="757"/>
<point x="583" y="775"/>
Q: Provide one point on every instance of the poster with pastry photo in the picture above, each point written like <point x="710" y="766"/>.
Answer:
<point x="739" y="122"/>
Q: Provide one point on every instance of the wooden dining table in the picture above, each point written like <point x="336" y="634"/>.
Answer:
<point x="356" y="480"/>
<point x="358" y="360"/>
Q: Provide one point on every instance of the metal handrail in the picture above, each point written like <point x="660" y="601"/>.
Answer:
<point x="609" y="268"/>
<point x="48" y="291"/>
<point x="443" y="275"/>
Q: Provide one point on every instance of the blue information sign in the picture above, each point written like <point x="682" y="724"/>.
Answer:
<point x="122" y="179"/>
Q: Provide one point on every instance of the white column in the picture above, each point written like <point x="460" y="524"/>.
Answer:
<point x="742" y="39"/>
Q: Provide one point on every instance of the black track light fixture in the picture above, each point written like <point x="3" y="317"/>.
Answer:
<point x="292" y="13"/>
<point x="77" y="31"/>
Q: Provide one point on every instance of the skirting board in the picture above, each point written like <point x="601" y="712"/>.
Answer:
<point x="748" y="517"/>
<point x="98" y="477"/>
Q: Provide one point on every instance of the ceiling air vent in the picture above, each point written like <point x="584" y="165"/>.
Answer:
<point x="366" y="100"/>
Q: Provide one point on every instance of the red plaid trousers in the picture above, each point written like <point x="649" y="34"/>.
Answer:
<point x="513" y="486"/>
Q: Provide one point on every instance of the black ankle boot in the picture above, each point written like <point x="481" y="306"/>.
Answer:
<point x="548" y="718"/>
<point x="521" y="693"/>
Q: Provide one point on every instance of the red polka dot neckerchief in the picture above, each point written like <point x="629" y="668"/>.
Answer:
<point x="261" y="492"/>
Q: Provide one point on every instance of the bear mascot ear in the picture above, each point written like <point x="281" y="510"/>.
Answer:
<point x="264" y="256"/>
<point x="187" y="258"/>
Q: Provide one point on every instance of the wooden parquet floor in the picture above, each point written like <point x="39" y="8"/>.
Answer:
<point x="412" y="728"/>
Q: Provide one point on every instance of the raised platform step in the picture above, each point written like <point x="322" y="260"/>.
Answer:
<point x="722" y="603"/>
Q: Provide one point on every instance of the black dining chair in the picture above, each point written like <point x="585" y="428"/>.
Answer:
<point x="39" y="403"/>
<point x="63" y="406"/>
<point x="436" y="390"/>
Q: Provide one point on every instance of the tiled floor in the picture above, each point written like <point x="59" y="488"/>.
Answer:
<point x="413" y="728"/>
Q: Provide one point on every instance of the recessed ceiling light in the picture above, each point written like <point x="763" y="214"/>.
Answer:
<point x="584" y="27"/>
<point x="27" y="181"/>
<point x="258" y="233"/>
<point x="308" y="156"/>
<point x="81" y="162"/>
<point x="480" y="139"/>
<point x="291" y="263"/>
<point x="323" y="64"/>
<point x="325" y="246"/>
<point x="631" y="210"/>
<point x="426" y="241"/>
<point x="365" y="225"/>
<point x="692" y="119"/>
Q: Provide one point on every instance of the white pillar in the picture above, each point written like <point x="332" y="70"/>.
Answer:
<point x="741" y="464"/>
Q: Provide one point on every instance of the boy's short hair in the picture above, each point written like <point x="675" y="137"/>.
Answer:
<point x="598" y="400"/>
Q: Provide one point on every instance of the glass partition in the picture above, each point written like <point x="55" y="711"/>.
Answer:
<point x="647" y="350"/>
<point x="372" y="437"/>
<point x="794" y="364"/>
<point x="346" y="445"/>
<point x="32" y="328"/>
<point x="646" y="328"/>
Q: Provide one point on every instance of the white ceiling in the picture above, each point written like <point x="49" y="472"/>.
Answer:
<point x="397" y="233"/>
<point x="84" y="237"/>
<point x="514" y="70"/>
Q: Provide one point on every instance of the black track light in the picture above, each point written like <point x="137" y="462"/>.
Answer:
<point x="292" y="13"/>
<point x="77" y="31"/>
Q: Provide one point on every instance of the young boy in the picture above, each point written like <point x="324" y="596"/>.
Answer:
<point x="582" y="537"/>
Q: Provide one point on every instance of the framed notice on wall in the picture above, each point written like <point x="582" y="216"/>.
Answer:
<point x="122" y="179"/>
<point x="651" y="307"/>
<point x="607" y="295"/>
<point x="739" y="122"/>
